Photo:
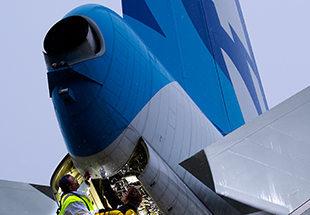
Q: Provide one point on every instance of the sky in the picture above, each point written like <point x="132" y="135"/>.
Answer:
<point x="31" y="142"/>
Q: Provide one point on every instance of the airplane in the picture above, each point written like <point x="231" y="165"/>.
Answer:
<point x="171" y="94"/>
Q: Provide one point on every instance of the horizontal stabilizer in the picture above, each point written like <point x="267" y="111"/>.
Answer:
<point x="25" y="199"/>
<point x="265" y="163"/>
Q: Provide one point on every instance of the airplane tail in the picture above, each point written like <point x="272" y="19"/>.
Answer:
<point x="205" y="46"/>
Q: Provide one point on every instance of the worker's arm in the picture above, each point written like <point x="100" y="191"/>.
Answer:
<point x="85" y="186"/>
<point x="109" y="193"/>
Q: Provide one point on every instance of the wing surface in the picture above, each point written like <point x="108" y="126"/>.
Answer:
<point x="26" y="199"/>
<point x="265" y="163"/>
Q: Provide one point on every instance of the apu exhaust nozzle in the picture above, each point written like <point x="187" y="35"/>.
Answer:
<point x="72" y="40"/>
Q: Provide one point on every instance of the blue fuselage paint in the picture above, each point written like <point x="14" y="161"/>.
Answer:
<point x="111" y="89"/>
<point x="191" y="48"/>
<point x="117" y="85"/>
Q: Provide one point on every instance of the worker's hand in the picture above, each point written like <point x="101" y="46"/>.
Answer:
<point x="87" y="177"/>
<point x="103" y="173"/>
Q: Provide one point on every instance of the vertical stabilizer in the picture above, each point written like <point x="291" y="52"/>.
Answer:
<point x="205" y="46"/>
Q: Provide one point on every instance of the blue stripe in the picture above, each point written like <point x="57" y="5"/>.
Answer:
<point x="140" y="11"/>
<point x="234" y="48"/>
<point x="192" y="53"/>
<point x="188" y="60"/>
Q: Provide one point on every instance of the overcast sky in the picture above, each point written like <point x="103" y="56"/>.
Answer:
<point x="31" y="142"/>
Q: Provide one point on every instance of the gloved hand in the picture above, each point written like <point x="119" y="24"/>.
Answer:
<point x="87" y="177"/>
<point x="103" y="173"/>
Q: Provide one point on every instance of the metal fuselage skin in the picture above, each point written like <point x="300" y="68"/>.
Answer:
<point x="109" y="90"/>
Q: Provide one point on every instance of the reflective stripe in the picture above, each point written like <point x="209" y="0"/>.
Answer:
<point x="70" y="198"/>
<point x="130" y="212"/>
<point x="117" y="212"/>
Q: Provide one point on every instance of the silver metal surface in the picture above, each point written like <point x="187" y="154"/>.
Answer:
<point x="24" y="199"/>
<point x="266" y="162"/>
<point x="167" y="189"/>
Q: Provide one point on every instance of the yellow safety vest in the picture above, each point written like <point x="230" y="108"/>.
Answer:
<point x="117" y="212"/>
<point x="70" y="198"/>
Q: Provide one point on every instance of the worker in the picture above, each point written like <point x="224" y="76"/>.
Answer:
<point x="127" y="205"/>
<point x="74" y="200"/>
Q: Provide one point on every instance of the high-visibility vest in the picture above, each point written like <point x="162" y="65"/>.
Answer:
<point x="117" y="212"/>
<point x="70" y="198"/>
